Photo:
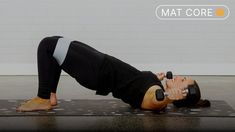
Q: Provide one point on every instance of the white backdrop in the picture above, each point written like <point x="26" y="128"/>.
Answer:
<point x="126" y="29"/>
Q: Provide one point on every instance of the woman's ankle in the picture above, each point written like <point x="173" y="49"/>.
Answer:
<point x="53" y="99"/>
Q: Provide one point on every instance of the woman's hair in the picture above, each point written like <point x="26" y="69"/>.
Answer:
<point x="193" y="100"/>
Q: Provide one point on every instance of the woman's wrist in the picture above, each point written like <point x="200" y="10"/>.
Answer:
<point x="160" y="75"/>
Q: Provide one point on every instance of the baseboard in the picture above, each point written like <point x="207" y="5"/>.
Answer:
<point x="180" y="69"/>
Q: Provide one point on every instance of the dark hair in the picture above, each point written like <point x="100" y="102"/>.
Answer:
<point x="192" y="100"/>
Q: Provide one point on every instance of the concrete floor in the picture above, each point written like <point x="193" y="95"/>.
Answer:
<point x="25" y="87"/>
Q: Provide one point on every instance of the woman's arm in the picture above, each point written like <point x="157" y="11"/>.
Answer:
<point x="151" y="103"/>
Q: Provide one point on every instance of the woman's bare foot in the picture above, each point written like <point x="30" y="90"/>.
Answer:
<point x="35" y="104"/>
<point x="53" y="99"/>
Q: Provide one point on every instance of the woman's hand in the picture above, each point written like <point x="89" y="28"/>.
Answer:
<point x="161" y="75"/>
<point x="176" y="93"/>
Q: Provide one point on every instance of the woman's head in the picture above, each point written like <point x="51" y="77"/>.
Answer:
<point x="185" y="83"/>
<point x="190" y="100"/>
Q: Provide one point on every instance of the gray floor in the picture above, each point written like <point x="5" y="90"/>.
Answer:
<point x="25" y="87"/>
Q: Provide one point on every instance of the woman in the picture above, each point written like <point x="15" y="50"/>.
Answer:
<point x="103" y="73"/>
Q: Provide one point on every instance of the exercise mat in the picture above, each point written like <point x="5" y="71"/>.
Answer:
<point x="115" y="107"/>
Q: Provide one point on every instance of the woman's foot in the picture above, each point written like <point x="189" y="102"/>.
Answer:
<point x="53" y="99"/>
<point x="35" y="104"/>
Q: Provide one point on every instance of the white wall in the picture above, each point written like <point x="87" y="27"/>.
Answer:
<point x="126" y="29"/>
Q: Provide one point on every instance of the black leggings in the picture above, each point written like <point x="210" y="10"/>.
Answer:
<point x="81" y="62"/>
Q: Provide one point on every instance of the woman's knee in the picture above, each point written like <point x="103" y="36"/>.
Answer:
<point x="44" y="43"/>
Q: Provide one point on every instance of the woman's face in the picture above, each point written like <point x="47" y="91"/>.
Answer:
<point x="179" y="82"/>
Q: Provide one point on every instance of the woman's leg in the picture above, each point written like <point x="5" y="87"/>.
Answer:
<point x="48" y="68"/>
<point x="77" y="59"/>
<point x="48" y="77"/>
